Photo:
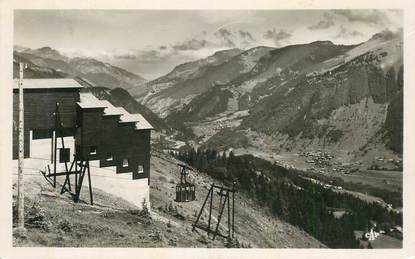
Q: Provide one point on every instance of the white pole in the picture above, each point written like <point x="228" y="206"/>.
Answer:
<point x="20" y="185"/>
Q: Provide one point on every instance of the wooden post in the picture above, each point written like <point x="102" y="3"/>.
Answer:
<point x="55" y="139"/>
<point x="81" y="179"/>
<point x="203" y="206"/>
<point x="233" y="210"/>
<point x="220" y="215"/>
<point x="229" y="214"/>
<point x="76" y="174"/>
<point x="20" y="184"/>
<point x="54" y="157"/>
<point x="210" y="212"/>
<point x="51" y="146"/>
<point x="90" y="185"/>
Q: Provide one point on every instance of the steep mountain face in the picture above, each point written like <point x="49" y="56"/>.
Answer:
<point x="394" y="123"/>
<point x="97" y="73"/>
<point x="344" y="107"/>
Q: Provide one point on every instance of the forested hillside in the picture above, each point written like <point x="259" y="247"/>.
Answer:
<point x="295" y="198"/>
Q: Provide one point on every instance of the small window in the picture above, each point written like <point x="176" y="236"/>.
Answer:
<point x="140" y="169"/>
<point x="125" y="162"/>
<point x="93" y="150"/>
<point x="110" y="158"/>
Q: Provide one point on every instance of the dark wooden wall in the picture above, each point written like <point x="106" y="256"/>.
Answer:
<point x="90" y="123"/>
<point x="112" y="138"/>
<point x="109" y="139"/>
<point x="138" y="154"/>
<point x="39" y="106"/>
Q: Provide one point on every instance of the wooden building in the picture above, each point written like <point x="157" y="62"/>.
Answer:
<point x="113" y="136"/>
<point x="40" y="99"/>
<point x="101" y="131"/>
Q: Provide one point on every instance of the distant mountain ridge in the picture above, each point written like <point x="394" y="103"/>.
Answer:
<point x="45" y="52"/>
<point x="96" y="72"/>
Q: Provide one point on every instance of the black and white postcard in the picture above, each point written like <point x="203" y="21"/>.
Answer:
<point x="227" y="128"/>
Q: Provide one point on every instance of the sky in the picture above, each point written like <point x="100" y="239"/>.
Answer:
<point x="152" y="42"/>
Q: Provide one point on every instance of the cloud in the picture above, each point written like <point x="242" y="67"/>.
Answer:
<point x="226" y="37"/>
<point x="221" y="39"/>
<point x="100" y="54"/>
<point x="151" y="56"/>
<point x="155" y="60"/>
<point x="125" y="56"/>
<point x="246" y="40"/>
<point x="345" y="33"/>
<point x="246" y="35"/>
<point x="327" y="22"/>
<point x="388" y="34"/>
<point x="372" y="17"/>
<point x="277" y="37"/>
<point x="193" y="44"/>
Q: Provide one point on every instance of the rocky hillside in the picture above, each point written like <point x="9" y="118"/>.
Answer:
<point x="303" y="104"/>
<point x="344" y="107"/>
<point x="96" y="72"/>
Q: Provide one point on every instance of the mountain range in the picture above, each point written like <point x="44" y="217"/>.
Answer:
<point x="344" y="98"/>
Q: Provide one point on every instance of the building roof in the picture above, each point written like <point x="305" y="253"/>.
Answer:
<point x="89" y="101"/>
<point x="140" y="122"/>
<point x="111" y="109"/>
<point x="47" y="83"/>
<point x="128" y="117"/>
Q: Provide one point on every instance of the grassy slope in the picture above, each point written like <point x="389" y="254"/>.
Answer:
<point x="113" y="222"/>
